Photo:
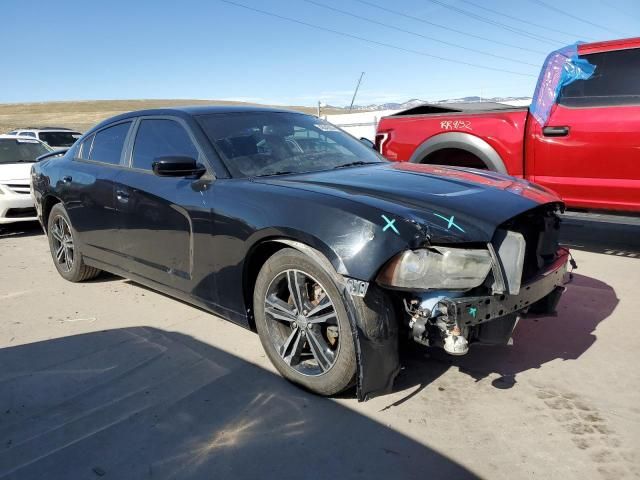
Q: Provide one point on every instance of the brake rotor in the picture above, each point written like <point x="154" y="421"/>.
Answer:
<point x="331" y="332"/>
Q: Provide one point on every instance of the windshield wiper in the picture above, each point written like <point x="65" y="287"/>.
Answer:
<point x="354" y="164"/>
<point x="279" y="172"/>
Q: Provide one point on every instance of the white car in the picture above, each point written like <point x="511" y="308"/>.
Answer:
<point x="17" y="154"/>
<point x="55" y="137"/>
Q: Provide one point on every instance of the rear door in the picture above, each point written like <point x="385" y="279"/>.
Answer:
<point x="89" y="191"/>
<point x="589" y="151"/>
<point x="160" y="216"/>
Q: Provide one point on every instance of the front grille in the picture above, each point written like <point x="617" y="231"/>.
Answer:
<point x="21" y="212"/>
<point x="22" y="188"/>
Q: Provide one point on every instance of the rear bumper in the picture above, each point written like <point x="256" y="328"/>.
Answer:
<point x="469" y="311"/>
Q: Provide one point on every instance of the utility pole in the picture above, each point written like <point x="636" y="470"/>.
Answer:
<point x="356" y="92"/>
<point x="318" y="108"/>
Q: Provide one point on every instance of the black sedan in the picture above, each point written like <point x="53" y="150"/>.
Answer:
<point x="282" y="223"/>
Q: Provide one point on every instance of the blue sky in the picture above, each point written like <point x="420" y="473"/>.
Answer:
<point x="115" y="49"/>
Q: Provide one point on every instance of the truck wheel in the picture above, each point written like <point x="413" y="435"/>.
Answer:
<point x="65" y="251"/>
<point x="302" y="323"/>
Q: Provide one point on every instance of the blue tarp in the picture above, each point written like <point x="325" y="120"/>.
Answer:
<point x="561" y="68"/>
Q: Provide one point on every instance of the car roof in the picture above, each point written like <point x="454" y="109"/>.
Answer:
<point x="196" y="110"/>
<point x="45" y="130"/>
<point x="62" y="129"/>
<point x="20" y="137"/>
<point x="609" y="45"/>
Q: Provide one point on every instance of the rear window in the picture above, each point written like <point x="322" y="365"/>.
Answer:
<point x="17" y="151"/>
<point x="59" y="139"/>
<point x="108" y="144"/>
<point x="84" y="151"/>
<point x="616" y="81"/>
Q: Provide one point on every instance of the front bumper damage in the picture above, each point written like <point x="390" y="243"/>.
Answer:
<point x="452" y="321"/>
<point x="527" y="275"/>
<point x="443" y="319"/>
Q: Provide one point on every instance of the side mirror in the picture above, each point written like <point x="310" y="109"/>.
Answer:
<point x="368" y="142"/>
<point x="177" y="166"/>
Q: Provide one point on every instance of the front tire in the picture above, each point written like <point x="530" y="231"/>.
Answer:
<point x="303" y="325"/>
<point x="65" y="250"/>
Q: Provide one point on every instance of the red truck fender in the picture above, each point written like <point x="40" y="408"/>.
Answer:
<point x="461" y="141"/>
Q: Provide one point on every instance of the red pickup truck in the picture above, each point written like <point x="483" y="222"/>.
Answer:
<point x="585" y="146"/>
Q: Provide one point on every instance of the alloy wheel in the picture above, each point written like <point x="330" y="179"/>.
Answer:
<point x="302" y="322"/>
<point x="62" y="241"/>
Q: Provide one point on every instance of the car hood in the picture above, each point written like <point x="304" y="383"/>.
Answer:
<point x="14" y="172"/>
<point x="445" y="204"/>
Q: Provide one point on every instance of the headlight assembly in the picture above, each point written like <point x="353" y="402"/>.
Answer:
<point x="437" y="268"/>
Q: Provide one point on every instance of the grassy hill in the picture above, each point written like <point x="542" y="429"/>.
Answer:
<point x="84" y="114"/>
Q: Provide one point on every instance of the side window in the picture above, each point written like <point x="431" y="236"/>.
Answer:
<point x="28" y="134"/>
<point x="85" y="147"/>
<point x="614" y="82"/>
<point x="108" y="144"/>
<point x="159" y="137"/>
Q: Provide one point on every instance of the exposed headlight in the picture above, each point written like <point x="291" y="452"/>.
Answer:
<point x="437" y="268"/>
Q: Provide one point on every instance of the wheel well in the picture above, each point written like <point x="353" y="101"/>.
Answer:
<point x="47" y="205"/>
<point x="456" y="157"/>
<point x="255" y="260"/>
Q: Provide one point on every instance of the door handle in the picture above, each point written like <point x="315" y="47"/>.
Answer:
<point x="122" y="196"/>
<point x="555" y="131"/>
<point x="66" y="179"/>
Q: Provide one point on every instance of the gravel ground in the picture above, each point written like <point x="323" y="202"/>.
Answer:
<point x="109" y="379"/>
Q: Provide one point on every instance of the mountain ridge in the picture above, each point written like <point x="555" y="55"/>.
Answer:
<point x="415" y="102"/>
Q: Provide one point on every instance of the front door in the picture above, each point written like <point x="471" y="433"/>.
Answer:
<point x="161" y="217"/>
<point x="589" y="150"/>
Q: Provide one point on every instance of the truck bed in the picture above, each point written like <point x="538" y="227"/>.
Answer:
<point x="461" y="107"/>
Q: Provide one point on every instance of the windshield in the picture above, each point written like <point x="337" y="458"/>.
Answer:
<point x="14" y="151"/>
<point x="59" y="139"/>
<point x="256" y="144"/>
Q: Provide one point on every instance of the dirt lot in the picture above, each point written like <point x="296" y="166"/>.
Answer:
<point x="83" y="115"/>
<point x="108" y="379"/>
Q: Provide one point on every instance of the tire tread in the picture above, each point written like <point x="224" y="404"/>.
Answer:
<point x="83" y="272"/>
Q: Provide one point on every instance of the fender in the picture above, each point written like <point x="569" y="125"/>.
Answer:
<point x="462" y="141"/>
<point x="375" y="336"/>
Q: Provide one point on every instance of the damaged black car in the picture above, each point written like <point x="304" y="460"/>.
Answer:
<point x="282" y="223"/>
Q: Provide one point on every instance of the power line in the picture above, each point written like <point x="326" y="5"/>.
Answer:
<point x="529" y="22"/>
<point x="495" y="23"/>
<point x="374" y="42"/>
<point x="437" y="25"/>
<point x="455" y="45"/>
<point x="575" y="17"/>
<point x="620" y="10"/>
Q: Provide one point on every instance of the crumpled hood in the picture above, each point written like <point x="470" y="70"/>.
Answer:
<point x="446" y="204"/>
<point x="19" y="172"/>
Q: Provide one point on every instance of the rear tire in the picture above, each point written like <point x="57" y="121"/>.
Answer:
<point x="65" y="251"/>
<point x="303" y="324"/>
